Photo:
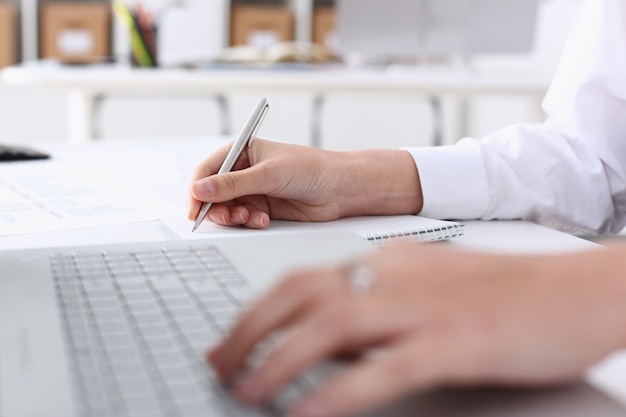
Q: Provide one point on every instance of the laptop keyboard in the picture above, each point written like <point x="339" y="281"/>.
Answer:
<point x="138" y="324"/>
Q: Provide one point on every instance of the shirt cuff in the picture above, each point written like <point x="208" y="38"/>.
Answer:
<point x="453" y="180"/>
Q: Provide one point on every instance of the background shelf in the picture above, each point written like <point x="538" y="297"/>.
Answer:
<point x="28" y="21"/>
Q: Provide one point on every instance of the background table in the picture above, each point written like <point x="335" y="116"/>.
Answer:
<point x="88" y="86"/>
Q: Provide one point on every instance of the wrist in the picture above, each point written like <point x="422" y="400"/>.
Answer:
<point x="378" y="182"/>
<point x="614" y="266"/>
<point x="596" y="281"/>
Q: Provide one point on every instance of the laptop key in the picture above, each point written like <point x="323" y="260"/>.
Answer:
<point x="142" y="323"/>
<point x="197" y="408"/>
<point x="242" y="293"/>
<point x="142" y="407"/>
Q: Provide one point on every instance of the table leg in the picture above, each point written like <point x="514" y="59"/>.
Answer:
<point x="460" y="127"/>
<point x="222" y="104"/>
<point x="536" y="113"/>
<point x="437" y="112"/>
<point x="319" y="99"/>
<point x="82" y="118"/>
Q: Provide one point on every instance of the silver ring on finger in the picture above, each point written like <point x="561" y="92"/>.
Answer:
<point x="360" y="277"/>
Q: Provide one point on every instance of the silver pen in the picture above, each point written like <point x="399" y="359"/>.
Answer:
<point x="244" y="140"/>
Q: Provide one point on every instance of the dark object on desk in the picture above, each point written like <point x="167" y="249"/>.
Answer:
<point x="9" y="153"/>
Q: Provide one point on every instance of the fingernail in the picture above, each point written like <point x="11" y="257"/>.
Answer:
<point x="214" y="355"/>
<point x="216" y="218"/>
<point x="218" y="360"/>
<point x="310" y="407"/>
<point x="265" y="221"/>
<point x="207" y="188"/>
<point x="249" y="389"/>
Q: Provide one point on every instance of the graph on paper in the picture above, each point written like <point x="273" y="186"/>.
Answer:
<point x="40" y="202"/>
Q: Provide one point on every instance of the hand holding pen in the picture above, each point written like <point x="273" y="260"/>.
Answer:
<point x="283" y="181"/>
<point x="244" y="140"/>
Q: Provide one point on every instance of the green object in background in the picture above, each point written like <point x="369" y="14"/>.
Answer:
<point x="137" y="43"/>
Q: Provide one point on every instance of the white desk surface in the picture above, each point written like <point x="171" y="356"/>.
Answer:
<point x="501" y="236"/>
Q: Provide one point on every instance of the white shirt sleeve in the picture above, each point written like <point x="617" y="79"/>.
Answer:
<point x="569" y="172"/>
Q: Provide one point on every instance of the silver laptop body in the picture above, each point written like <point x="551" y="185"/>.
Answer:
<point x="121" y="330"/>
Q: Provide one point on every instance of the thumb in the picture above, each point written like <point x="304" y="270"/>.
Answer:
<point x="220" y="188"/>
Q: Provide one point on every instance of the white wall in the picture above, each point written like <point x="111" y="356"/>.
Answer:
<point x="27" y="115"/>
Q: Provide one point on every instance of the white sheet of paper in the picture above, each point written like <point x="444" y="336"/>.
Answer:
<point x="39" y="203"/>
<point x="366" y="226"/>
<point x="68" y="192"/>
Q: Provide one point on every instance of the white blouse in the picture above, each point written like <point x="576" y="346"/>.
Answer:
<point x="569" y="172"/>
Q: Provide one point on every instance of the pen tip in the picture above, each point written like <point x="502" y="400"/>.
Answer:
<point x="194" y="229"/>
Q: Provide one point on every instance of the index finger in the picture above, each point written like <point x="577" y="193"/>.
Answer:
<point x="277" y="308"/>
<point x="206" y="168"/>
<point x="209" y="167"/>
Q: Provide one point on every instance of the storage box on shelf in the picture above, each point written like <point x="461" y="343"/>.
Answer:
<point x="7" y="34"/>
<point x="75" y="32"/>
<point x="324" y="26"/>
<point x="260" y="25"/>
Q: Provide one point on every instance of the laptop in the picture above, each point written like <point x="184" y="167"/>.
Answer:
<point x="121" y="330"/>
<point x="435" y="27"/>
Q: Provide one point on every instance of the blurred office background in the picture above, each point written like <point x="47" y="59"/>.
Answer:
<point x="29" y="115"/>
